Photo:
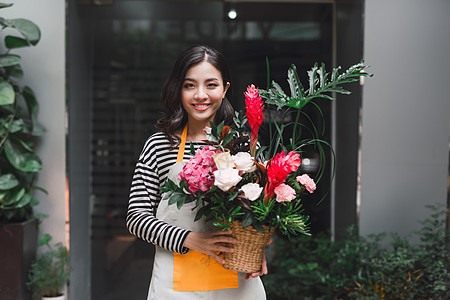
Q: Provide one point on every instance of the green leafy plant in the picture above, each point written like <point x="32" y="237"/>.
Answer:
<point x="19" y="165"/>
<point x="50" y="272"/>
<point x="363" y="267"/>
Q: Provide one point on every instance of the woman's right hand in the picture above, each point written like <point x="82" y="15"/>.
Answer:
<point x="208" y="242"/>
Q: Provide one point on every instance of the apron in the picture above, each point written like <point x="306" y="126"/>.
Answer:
<point x="169" y="277"/>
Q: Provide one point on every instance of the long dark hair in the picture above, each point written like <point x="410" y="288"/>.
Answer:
<point x="175" y="117"/>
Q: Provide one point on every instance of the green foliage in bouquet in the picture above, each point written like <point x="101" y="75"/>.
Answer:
<point x="321" y="86"/>
<point x="236" y="178"/>
<point x="19" y="165"/>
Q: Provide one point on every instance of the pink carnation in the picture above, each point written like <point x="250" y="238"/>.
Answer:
<point x="284" y="193"/>
<point x="307" y="182"/>
<point x="198" y="171"/>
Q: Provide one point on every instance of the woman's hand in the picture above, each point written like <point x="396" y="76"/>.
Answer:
<point x="208" y="242"/>
<point x="263" y="270"/>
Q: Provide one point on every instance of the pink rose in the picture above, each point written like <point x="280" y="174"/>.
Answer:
<point x="307" y="182"/>
<point x="284" y="193"/>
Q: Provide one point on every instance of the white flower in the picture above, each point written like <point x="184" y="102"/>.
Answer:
<point x="207" y="129"/>
<point x="226" y="178"/>
<point x="251" y="191"/>
<point x="244" y="162"/>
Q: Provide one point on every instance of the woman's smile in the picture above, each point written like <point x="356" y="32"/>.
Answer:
<point x="201" y="107"/>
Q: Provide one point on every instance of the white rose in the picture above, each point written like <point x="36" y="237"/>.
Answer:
<point x="251" y="191"/>
<point x="244" y="162"/>
<point x="226" y="178"/>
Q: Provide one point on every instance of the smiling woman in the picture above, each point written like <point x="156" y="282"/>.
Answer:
<point x="194" y="94"/>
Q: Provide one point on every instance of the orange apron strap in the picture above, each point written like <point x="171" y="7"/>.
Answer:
<point x="196" y="271"/>
<point x="182" y="144"/>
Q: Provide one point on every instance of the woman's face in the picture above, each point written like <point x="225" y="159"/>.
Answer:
<point x="202" y="92"/>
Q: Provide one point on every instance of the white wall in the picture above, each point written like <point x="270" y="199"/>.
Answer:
<point x="44" y="69"/>
<point x="406" y="111"/>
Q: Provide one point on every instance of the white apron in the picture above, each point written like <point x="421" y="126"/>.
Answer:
<point x="161" y="284"/>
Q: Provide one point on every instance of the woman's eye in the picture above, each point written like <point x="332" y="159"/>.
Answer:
<point x="213" y="85"/>
<point x="188" y="85"/>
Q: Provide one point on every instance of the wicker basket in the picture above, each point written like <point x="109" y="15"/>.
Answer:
<point x="249" y="249"/>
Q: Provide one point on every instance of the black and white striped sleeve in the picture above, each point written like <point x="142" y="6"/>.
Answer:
<point x="143" y="203"/>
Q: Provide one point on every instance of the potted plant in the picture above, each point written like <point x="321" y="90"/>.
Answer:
<point x="50" y="272"/>
<point x="19" y="165"/>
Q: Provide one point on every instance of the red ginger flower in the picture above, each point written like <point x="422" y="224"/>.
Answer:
<point x="279" y="168"/>
<point x="255" y="116"/>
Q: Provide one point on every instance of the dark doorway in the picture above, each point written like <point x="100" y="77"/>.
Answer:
<point x="130" y="48"/>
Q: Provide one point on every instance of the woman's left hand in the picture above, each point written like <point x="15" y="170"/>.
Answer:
<point x="263" y="270"/>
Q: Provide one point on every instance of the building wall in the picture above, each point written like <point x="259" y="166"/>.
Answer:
<point x="44" y="69"/>
<point x="406" y="110"/>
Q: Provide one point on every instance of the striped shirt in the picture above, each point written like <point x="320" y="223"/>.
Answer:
<point x="150" y="174"/>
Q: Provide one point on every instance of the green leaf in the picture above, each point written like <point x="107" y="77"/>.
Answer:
<point x="233" y="195"/>
<point x="227" y="138"/>
<point x="20" y="158"/>
<point x="338" y="89"/>
<point x="34" y="201"/>
<point x="322" y="76"/>
<point x="28" y="29"/>
<point x="268" y="72"/>
<point x="25" y="200"/>
<point x="12" y="42"/>
<point x="247" y="221"/>
<point x="174" y="198"/>
<point x="192" y="149"/>
<point x="7" y="95"/>
<point x="15" y="72"/>
<point x="258" y="227"/>
<point x="30" y="99"/>
<point x="335" y="74"/>
<point x="219" y="128"/>
<point x="38" y="129"/>
<point x="7" y="60"/>
<point x="14" y="197"/>
<point x="294" y="83"/>
<point x="312" y="79"/>
<point x="8" y="181"/>
<point x="24" y="145"/>
<point x="4" y="5"/>
<point x="278" y="88"/>
<point x="213" y="129"/>
<point x="180" y="202"/>
<point x="199" y="213"/>
<point x="45" y="239"/>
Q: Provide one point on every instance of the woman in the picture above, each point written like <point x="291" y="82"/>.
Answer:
<point x="194" y="94"/>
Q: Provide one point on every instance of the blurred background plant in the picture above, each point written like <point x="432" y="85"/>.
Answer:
<point x="50" y="272"/>
<point x="363" y="267"/>
<point x="19" y="165"/>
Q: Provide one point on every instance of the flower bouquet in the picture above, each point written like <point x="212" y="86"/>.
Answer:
<point x="250" y="188"/>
